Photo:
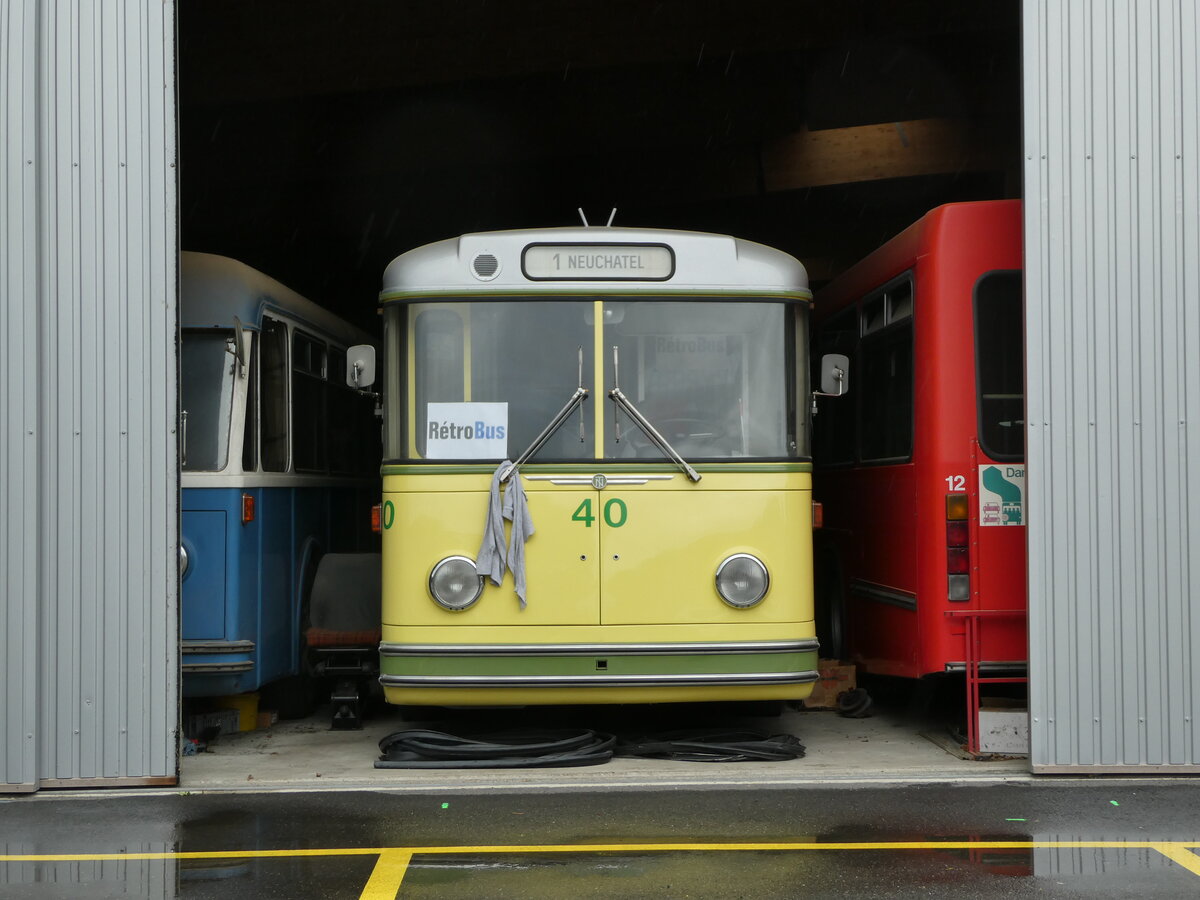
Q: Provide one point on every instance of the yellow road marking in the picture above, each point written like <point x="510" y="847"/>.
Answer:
<point x="1165" y="847"/>
<point x="393" y="862"/>
<point x="195" y="854"/>
<point x="1180" y="854"/>
<point x="387" y="875"/>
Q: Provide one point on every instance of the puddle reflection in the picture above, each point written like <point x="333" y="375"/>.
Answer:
<point x="976" y="865"/>
<point x="151" y="879"/>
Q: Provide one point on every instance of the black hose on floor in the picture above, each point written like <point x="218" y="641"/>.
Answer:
<point x="420" y="749"/>
<point x="417" y="749"/>
<point x="714" y="746"/>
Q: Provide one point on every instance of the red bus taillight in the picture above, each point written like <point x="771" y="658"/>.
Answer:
<point x="818" y="515"/>
<point x="958" y="561"/>
<point x="247" y="509"/>
<point x="957" y="534"/>
<point x="376" y="518"/>
<point x="958" y="551"/>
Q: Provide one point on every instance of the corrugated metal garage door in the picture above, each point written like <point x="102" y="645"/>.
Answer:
<point x="1112" y="187"/>
<point x="88" y="520"/>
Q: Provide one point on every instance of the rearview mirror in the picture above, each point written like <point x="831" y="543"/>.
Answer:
<point x="835" y="374"/>
<point x="360" y="366"/>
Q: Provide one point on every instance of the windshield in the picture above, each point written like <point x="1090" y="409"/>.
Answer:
<point x="206" y="365"/>
<point x="481" y="380"/>
<point x="711" y="377"/>
<point x="488" y="377"/>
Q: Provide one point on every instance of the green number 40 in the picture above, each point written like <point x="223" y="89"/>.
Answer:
<point x="614" y="520"/>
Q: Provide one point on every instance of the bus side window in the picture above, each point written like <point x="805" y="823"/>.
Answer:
<point x="342" y="413"/>
<point x="440" y="371"/>
<point x="273" y="396"/>
<point x="250" y="434"/>
<point x="873" y="317"/>
<point x="900" y="301"/>
<point x="308" y="404"/>
<point x="885" y="390"/>
<point x="835" y="428"/>
<point x="395" y="383"/>
<point x="1000" y="355"/>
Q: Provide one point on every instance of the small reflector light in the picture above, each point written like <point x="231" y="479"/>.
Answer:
<point x="818" y="515"/>
<point x="247" y="509"/>
<point x="956" y="506"/>
<point x="956" y="534"/>
<point x="957" y="561"/>
<point x="959" y="588"/>
<point x="376" y="518"/>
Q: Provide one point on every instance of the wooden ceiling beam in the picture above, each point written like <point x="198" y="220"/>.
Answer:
<point x="877" y="152"/>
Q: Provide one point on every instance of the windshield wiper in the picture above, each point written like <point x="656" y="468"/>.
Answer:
<point x="581" y="394"/>
<point x="618" y="397"/>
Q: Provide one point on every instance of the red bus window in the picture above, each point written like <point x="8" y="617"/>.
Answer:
<point x="999" y="339"/>
<point x="885" y="391"/>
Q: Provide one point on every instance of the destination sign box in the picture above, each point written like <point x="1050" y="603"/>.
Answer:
<point x="598" y="262"/>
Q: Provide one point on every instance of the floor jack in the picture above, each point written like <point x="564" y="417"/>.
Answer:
<point x="354" y="672"/>
<point x="344" y="633"/>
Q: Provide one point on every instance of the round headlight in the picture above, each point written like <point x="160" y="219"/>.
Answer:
<point x="184" y="561"/>
<point x="742" y="580"/>
<point x="455" y="584"/>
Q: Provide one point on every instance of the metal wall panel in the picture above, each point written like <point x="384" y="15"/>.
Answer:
<point x="88" y="525"/>
<point x="1112" y="245"/>
<point x="18" y="411"/>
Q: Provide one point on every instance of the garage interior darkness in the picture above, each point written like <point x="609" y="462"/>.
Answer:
<point x="320" y="139"/>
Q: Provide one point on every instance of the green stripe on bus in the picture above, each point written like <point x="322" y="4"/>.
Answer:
<point x="616" y="665"/>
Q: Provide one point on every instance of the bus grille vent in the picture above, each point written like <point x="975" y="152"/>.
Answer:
<point x="486" y="266"/>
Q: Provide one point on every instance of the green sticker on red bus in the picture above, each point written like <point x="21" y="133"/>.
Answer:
<point x="1001" y="495"/>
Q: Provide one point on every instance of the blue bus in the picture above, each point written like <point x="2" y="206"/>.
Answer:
<point x="280" y="469"/>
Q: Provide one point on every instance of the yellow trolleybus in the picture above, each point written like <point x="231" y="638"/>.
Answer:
<point x="596" y="478"/>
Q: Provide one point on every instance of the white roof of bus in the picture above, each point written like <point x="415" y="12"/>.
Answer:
<point x="214" y="289"/>
<point x="709" y="263"/>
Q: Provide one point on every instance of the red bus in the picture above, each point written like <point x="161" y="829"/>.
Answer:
<point x="920" y="468"/>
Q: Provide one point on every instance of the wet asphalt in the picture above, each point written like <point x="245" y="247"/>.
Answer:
<point x="611" y="844"/>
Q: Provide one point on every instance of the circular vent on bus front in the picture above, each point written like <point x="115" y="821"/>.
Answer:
<point x="485" y="266"/>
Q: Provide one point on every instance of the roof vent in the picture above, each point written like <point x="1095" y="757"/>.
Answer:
<point x="485" y="266"/>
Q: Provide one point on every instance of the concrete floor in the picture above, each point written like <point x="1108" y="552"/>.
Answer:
<point x="1054" y="837"/>
<point x="889" y="747"/>
<point x="875" y="808"/>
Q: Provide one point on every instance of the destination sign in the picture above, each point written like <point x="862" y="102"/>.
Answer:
<point x="598" y="262"/>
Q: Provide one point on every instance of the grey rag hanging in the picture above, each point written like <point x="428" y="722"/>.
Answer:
<point x="493" y="558"/>
<point x="516" y="510"/>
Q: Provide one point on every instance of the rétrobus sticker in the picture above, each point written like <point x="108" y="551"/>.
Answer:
<point x="466" y="431"/>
